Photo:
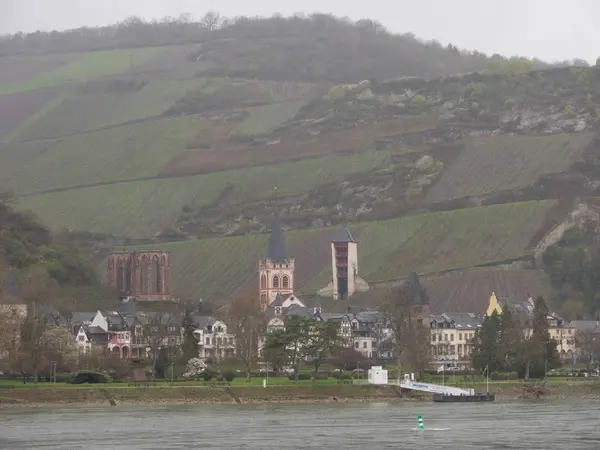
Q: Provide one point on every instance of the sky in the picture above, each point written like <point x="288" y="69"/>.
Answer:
<point x="551" y="30"/>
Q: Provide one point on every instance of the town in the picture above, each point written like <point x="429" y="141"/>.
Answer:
<point x="273" y="330"/>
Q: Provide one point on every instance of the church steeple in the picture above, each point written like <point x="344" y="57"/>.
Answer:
<point x="276" y="250"/>
<point x="276" y="271"/>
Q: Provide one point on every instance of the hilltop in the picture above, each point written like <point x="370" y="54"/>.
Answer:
<point x="182" y="137"/>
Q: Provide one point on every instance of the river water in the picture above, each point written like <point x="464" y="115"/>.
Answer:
<point x="534" y="425"/>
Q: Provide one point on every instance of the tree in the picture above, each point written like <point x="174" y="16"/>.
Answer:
<point x="12" y="319"/>
<point x="348" y="359"/>
<point x="324" y="341"/>
<point x="588" y="343"/>
<point x="404" y="315"/>
<point x="538" y="351"/>
<point x="509" y="340"/>
<point x="297" y="338"/>
<point x="246" y="321"/>
<point x="194" y="368"/>
<point x="211" y="20"/>
<point x="275" y="349"/>
<point x="189" y="347"/>
<point x="486" y="344"/>
<point x="157" y="338"/>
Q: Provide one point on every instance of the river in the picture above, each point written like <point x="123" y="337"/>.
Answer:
<point x="534" y="425"/>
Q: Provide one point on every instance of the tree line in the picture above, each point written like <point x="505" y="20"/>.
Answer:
<point x="509" y="343"/>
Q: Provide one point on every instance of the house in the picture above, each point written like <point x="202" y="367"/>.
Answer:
<point x="214" y="340"/>
<point x="83" y="340"/>
<point x="452" y="336"/>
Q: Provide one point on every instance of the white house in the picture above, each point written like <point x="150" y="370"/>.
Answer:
<point x="83" y="341"/>
<point x="214" y="341"/>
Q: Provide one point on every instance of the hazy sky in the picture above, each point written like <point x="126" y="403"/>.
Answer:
<point x="548" y="29"/>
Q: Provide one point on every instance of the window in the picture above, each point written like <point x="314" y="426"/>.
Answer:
<point x="356" y="344"/>
<point x="460" y="348"/>
<point x="286" y="282"/>
<point x="365" y="344"/>
<point x="81" y="338"/>
<point x="445" y="337"/>
<point x="275" y="281"/>
<point x="452" y="337"/>
<point x="207" y="341"/>
<point x="460" y="336"/>
<point x="230" y="341"/>
<point x="433" y="337"/>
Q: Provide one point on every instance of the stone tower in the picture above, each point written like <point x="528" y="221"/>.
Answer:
<point x="344" y="262"/>
<point x="276" y="271"/>
<point x="145" y="275"/>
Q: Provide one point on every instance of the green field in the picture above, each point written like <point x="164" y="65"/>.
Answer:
<point x="127" y="152"/>
<point x="85" y="110"/>
<point x="86" y="67"/>
<point x="215" y="268"/>
<point x="143" y="208"/>
<point x="501" y="163"/>
<point x="267" y="118"/>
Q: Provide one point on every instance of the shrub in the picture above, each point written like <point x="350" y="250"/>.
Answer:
<point x="89" y="376"/>
<point x="301" y="376"/>
<point x="228" y="375"/>
<point x="208" y="374"/>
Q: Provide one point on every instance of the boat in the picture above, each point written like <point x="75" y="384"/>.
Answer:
<point x="449" y="398"/>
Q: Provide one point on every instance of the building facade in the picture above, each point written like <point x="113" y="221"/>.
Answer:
<point x="276" y="272"/>
<point x="145" y="275"/>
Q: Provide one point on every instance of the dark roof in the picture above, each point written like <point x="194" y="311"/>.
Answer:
<point x="276" y="250"/>
<point x="462" y="321"/>
<point x="343" y="235"/>
<point x="586" y="326"/>
<point x="203" y="321"/>
<point x="77" y="318"/>
<point x="278" y="300"/>
<point x="95" y="330"/>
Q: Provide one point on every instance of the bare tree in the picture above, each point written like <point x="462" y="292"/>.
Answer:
<point x="211" y="20"/>
<point x="246" y="320"/>
<point x="588" y="343"/>
<point x="405" y="318"/>
<point x="159" y="329"/>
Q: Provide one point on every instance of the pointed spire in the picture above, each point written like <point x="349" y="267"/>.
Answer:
<point x="343" y="235"/>
<point x="276" y="251"/>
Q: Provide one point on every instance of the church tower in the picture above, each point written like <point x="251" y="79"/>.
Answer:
<point x="276" y="271"/>
<point x="344" y="261"/>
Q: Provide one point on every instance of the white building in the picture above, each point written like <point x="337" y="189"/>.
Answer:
<point x="214" y="341"/>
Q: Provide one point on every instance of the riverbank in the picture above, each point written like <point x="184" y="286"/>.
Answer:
<point x="165" y="394"/>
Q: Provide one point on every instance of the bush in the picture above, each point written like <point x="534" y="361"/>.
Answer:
<point x="228" y="375"/>
<point x="301" y="376"/>
<point x="207" y="374"/>
<point x="88" y="376"/>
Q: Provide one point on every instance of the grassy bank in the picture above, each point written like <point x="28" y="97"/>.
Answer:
<point x="292" y="393"/>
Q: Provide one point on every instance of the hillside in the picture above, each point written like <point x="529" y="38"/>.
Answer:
<point x="183" y="136"/>
<point x="41" y="266"/>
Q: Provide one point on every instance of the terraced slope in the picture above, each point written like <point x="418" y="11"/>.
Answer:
<point x="143" y="208"/>
<point x="503" y="163"/>
<point x="215" y="268"/>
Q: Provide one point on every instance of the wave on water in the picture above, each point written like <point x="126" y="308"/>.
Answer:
<point x="431" y="429"/>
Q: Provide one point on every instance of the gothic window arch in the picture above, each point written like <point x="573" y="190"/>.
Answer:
<point x="263" y="281"/>
<point x="120" y="276"/>
<point x="276" y="281"/>
<point x="145" y="272"/>
<point x="285" y="282"/>
<point x="156" y="275"/>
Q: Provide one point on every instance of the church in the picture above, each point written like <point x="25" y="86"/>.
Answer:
<point x="277" y="280"/>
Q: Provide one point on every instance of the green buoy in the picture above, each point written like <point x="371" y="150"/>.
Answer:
<point x="420" y="422"/>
